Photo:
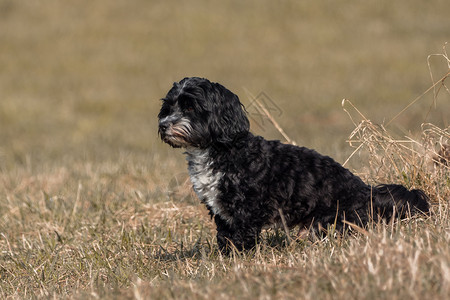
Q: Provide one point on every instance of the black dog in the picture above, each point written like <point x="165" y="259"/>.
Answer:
<point x="248" y="183"/>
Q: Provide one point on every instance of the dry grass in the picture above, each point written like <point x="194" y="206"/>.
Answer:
<point x="114" y="230"/>
<point x="92" y="206"/>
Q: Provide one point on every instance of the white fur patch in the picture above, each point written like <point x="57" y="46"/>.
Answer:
<point x="204" y="180"/>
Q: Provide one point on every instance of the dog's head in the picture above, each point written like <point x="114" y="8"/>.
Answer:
<point x="199" y="113"/>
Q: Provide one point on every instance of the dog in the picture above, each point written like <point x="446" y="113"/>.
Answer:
<point x="248" y="183"/>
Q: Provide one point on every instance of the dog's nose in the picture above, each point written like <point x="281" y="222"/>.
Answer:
<point x="163" y="126"/>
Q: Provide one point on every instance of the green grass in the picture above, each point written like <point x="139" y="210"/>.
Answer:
<point x="93" y="205"/>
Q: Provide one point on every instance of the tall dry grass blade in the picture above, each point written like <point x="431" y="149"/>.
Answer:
<point x="285" y="227"/>
<point x="77" y="199"/>
<point x="445" y="56"/>
<point x="357" y="228"/>
<point x="443" y="78"/>
<point x="344" y="101"/>
<point x="271" y="118"/>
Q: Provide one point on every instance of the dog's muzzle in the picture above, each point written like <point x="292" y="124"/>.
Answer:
<point x="165" y="124"/>
<point x="163" y="127"/>
<point x="174" y="131"/>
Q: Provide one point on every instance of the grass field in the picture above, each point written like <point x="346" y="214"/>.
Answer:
<point x="93" y="205"/>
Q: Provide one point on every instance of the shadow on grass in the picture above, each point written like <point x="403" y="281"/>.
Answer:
<point x="199" y="250"/>
<point x="204" y="248"/>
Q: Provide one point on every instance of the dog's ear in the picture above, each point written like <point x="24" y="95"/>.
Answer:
<point x="229" y="120"/>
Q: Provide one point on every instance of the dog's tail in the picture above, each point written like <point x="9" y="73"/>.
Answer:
<point x="396" y="200"/>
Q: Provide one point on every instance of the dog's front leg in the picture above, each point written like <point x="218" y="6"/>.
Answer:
<point x="224" y="234"/>
<point x="242" y="235"/>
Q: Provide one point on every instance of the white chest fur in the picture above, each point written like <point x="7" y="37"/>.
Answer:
<point x="204" y="179"/>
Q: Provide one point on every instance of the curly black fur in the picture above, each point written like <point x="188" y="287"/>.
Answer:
<point x="248" y="183"/>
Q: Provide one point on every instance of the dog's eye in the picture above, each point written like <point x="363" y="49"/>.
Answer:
<point x="187" y="107"/>
<point x="186" y="103"/>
